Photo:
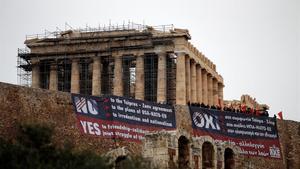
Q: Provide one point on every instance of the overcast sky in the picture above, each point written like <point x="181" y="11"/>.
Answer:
<point x="254" y="43"/>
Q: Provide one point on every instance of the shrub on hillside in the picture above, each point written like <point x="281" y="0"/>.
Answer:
<point x="33" y="149"/>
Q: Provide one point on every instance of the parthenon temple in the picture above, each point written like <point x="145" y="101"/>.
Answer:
<point x="153" y="63"/>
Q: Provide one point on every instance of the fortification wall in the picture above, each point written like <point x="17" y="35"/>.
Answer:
<point x="28" y="105"/>
<point x="20" y="105"/>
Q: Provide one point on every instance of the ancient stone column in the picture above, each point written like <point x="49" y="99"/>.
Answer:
<point x="96" y="81"/>
<point x="204" y="87"/>
<point x="199" y="83"/>
<point x="215" y="92"/>
<point x="193" y="82"/>
<point x="220" y="94"/>
<point x="188" y="78"/>
<point x="35" y="74"/>
<point x="118" y="74"/>
<point x="210" y="89"/>
<point x="180" y="79"/>
<point x="53" y="77"/>
<point x="139" y="78"/>
<point x="75" y="83"/>
<point x="162" y="77"/>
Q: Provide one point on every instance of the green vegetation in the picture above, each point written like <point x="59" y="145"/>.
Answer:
<point x="33" y="149"/>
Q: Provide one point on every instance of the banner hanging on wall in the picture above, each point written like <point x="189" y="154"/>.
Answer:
<point x="120" y="117"/>
<point x="256" y="136"/>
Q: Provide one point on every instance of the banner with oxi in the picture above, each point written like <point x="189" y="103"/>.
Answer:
<point x="120" y="117"/>
<point x="256" y="136"/>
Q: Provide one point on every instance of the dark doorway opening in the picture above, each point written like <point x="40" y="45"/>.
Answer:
<point x="183" y="152"/>
<point x="229" y="158"/>
<point x="120" y="162"/>
<point x="207" y="155"/>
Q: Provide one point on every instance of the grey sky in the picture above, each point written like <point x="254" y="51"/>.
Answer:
<point x="254" y="43"/>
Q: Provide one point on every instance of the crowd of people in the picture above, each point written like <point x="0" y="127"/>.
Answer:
<point x="241" y="109"/>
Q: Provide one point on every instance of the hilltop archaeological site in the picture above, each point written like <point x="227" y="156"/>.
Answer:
<point x="142" y="90"/>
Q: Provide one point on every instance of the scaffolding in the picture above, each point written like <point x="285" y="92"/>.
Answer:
<point x="150" y="73"/>
<point x="63" y="64"/>
<point x="85" y="75"/>
<point x="130" y="26"/>
<point x="64" y="74"/>
<point x="24" y="67"/>
<point x="171" y="78"/>
<point x="129" y="67"/>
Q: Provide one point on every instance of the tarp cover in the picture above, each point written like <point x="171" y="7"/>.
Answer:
<point x="256" y="136"/>
<point x="120" y="117"/>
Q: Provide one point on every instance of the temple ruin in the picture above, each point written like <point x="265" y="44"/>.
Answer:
<point x="153" y="63"/>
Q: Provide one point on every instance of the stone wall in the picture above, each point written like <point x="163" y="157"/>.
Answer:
<point x="28" y="105"/>
<point x="20" y="105"/>
<point x="289" y="133"/>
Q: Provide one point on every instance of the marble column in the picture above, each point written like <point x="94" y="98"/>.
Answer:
<point x="35" y="74"/>
<point x="75" y="78"/>
<point x="96" y="78"/>
<point x="220" y="94"/>
<point x="215" y="92"/>
<point x="180" y="79"/>
<point x="53" y="77"/>
<point x="188" y="78"/>
<point x="199" y="83"/>
<point x="204" y="87"/>
<point x="193" y="82"/>
<point x="139" y="78"/>
<point x="118" y="74"/>
<point x="162" y="77"/>
<point x="210" y="89"/>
